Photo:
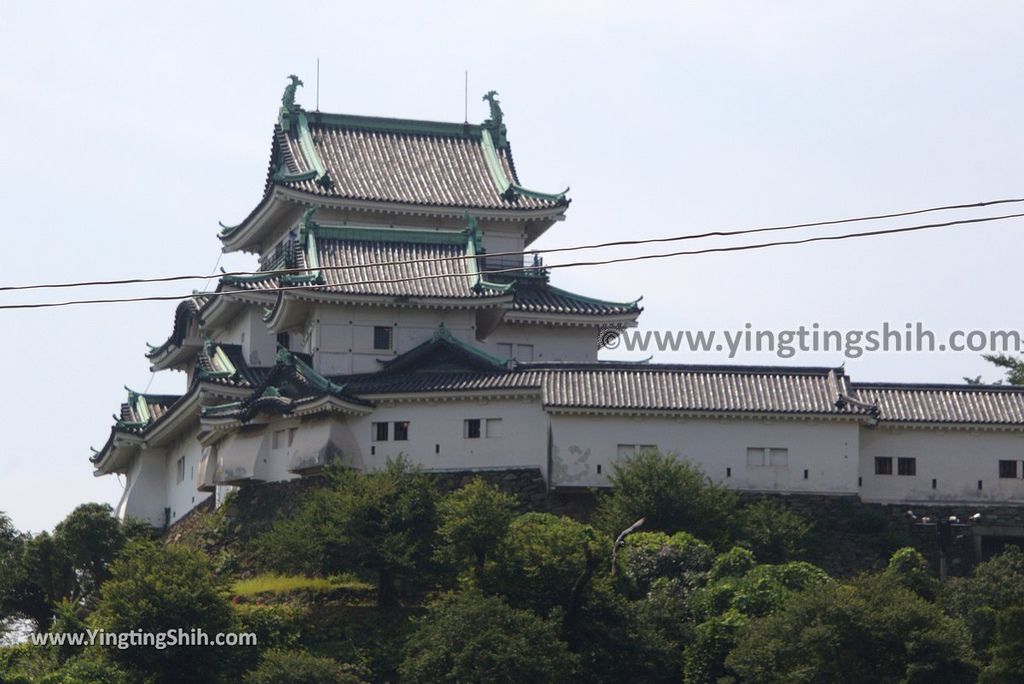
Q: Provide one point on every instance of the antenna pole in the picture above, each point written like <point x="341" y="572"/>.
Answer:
<point x="466" y="99"/>
<point x="318" y="84"/>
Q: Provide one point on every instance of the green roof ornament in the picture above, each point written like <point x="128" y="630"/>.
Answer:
<point x="472" y="231"/>
<point x="307" y="222"/>
<point x="496" y="122"/>
<point x="288" y="106"/>
<point x="283" y="357"/>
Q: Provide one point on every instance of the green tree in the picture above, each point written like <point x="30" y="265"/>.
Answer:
<point x="648" y="556"/>
<point x="737" y="591"/>
<point x="470" y="637"/>
<point x="672" y="494"/>
<point x="473" y="520"/>
<point x="873" y="630"/>
<point x="155" y="588"/>
<point x="544" y="561"/>
<point x="10" y="571"/>
<point x="90" y="537"/>
<point x="298" y="667"/>
<point x="995" y="585"/>
<point x="909" y="568"/>
<point x="1007" y="666"/>
<point x="1012" y="366"/>
<point x="773" y="531"/>
<point x="47" y="577"/>
<point x="86" y="669"/>
<point x="381" y="523"/>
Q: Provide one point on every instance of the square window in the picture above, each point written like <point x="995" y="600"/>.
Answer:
<point x="625" y="451"/>
<point x="524" y="353"/>
<point x="906" y="466"/>
<point x="380" y="432"/>
<point x="778" y="457"/>
<point x="401" y="430"/>
<point x="471" y="428"/>
<point x="504" y="350"/>
<point x="381" y="337"/>
<point x="494" y="427"/>
<point x="883" y="465"/>
<point x="755" y="456"/>
<point x="1008" y="469"/>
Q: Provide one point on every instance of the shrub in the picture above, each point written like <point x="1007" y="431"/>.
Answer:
<point x="647" y="556"/>
<point x="470" y="637"/>
<point x="297" y="667"/>
<point x="541" y="558"/>
<point x="155" y="588"/>
<point x="772" y="531"/>
<point x="473" y="520"/>
<point x="873" y="630"/>
<point x="672" y="494"/>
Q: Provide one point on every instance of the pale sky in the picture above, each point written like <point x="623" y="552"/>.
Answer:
<point x="130" y="129"/>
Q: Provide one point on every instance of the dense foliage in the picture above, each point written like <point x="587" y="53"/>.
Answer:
<point x="398" y="583"/>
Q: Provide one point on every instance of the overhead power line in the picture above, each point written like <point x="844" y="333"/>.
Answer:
<point x="551" y="250"/>
<point x="602" y="262"/>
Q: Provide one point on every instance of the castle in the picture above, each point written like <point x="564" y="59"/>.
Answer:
<point x="396" y="310"/>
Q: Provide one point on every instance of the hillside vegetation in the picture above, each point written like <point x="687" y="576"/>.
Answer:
<point x="381" y="578"/>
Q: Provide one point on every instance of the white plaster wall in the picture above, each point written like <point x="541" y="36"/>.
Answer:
<point x="955" y="459"/>
<point x="343" y="336"/>
<point x="436" y="435"/>
<point x="182" y="496"/>
<point x="827" y="450"/>
<point x="259" y="345"/>
<point x="550" y="344"/>
<point x="145" y="495"/>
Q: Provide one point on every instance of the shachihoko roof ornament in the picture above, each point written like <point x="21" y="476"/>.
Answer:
<point x="495" y="123"/>
<point x="288" y="106"/>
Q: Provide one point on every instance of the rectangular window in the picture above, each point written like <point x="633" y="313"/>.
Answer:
<point x="504" y="350"/>
<point x="401" y="430"/>
<point x="382" y="337"/>
<point x="380" y="432"/>
<point x="647" y="448"/>
<point x="291" y="435"/>
<point x="524" y="353"/>
<point x="181" y="469"/>
<point x="883" y="465"/>
<point x="1008" y="469"/>
<point x="277" y="441"/>
<point x="471" y="428"/>
<point x="765" y="456"/>
<point x="625" y="451"/>
<point x="493" y="427"/>
<point x="906" y="466"/>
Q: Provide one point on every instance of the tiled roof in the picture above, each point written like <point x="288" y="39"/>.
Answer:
<point x="357" y="264"/>
<point x="697" y="388"/>
<point x="184" y="313"/>
<point x="640" y="387"/>
<point x="987" y="405"/>
<point x="141" y="410"/>
<point x="393" y="160"/>
<point x="539" y="297"/>
<point x="236" y="373"/>
<point x="384" y="383"/>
